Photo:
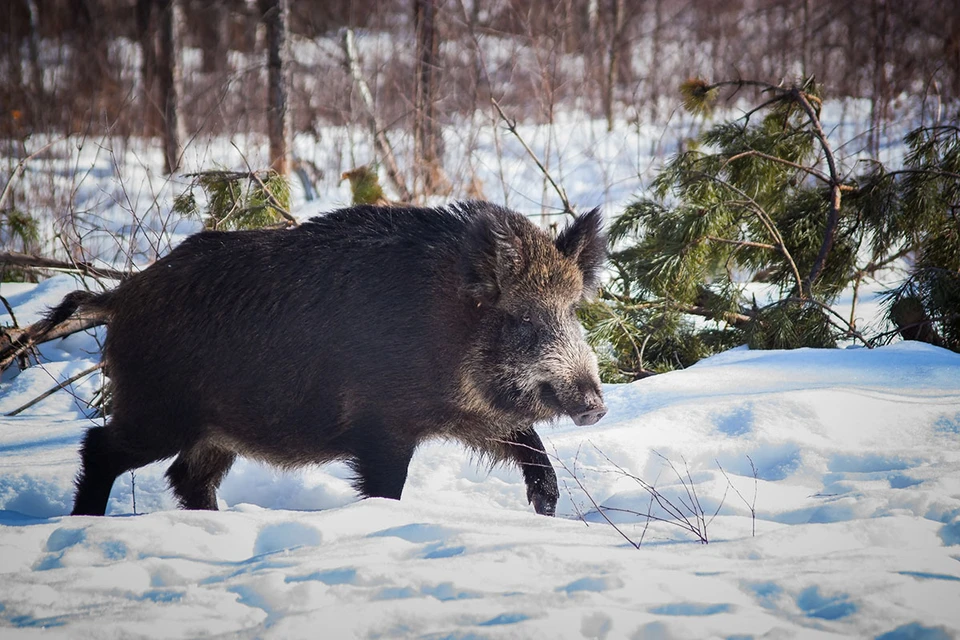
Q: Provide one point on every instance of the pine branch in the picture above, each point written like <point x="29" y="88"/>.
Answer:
<point x="766" y="156"/>
<point x="873" y="267"/>
<point x="278" y="207"/>
<point x="765" y="220"/>
<point x="803" y="99"/>
<point x="843" y="325"/>
<point x="626" y="331"/>
<point x="730" y="317"/>
<point x="742" y="243"/>
<point x="927" y="171"/>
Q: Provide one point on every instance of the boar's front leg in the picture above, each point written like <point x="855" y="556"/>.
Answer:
<point x="526" y="449"/>
<point x="380" y="463"/>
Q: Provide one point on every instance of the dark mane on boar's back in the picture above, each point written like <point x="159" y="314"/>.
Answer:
<point x="355" y="336"/>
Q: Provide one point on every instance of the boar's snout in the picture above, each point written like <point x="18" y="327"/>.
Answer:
<point x="591" y="410"/>
<point x="589" y="417"/>
<point x="584" y="405"/>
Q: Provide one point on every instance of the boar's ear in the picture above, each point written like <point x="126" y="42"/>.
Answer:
<point x="489" y="254"/>
<point x="585" y="242"/>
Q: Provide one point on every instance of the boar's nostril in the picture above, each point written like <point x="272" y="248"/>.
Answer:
<point x="586" y="418"/>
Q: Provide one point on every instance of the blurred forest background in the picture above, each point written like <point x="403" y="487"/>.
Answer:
<point x="75" y="66"/>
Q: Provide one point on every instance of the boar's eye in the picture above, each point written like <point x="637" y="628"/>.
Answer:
<point x="526" y="326"/>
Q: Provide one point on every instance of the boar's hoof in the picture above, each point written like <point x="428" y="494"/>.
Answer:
<point x="543" y="496"/>
<point x="545" y="505"/>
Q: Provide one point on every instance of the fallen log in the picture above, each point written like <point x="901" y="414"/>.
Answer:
<point x="16" y="342"/>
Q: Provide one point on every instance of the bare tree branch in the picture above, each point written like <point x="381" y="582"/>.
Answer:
<point x="752" y="506"/>
<point x="512" y="128"/>
<point x="835" y="183"/>
<point x="39" y="263"/>
<point x="46" y="394"/>
<point x="576" y="479"/>
<point x="18" y="170"/>
<point x="13" y="316"/>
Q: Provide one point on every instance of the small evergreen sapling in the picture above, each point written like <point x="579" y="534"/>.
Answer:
<point x="237" y="200"/>
<point x="18" y="230"/>
<point x="764" y="198"/>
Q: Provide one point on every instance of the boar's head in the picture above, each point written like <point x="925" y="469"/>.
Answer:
<point x="529" y="361"/>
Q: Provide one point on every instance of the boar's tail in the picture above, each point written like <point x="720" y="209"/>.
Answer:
<point x="93" y="305"/>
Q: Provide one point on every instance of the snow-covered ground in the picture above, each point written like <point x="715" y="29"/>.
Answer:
<point x="846" y="463"/>
<point x="856" y="493"/>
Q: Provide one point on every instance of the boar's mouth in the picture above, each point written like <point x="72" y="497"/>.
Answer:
<point x="585" y="410"/>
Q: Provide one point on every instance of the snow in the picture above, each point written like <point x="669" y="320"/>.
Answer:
<point x="844" y="462"/>
<point x="856" y="494"/>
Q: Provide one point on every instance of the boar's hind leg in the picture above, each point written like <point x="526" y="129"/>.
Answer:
<point x="104" y="455"/>
<point x="197" y="472"/>
<point x="526" y="449"/>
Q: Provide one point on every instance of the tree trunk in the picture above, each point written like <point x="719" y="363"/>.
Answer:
<point x="214" y="37"/>
<point x="880" y="98"/>
<point x="33" y="46"/>
<point x="152" y="114"/>
<point x="427" y="137"/>
<point x="618" y="21"/>
<point x="653" y="92"/>
<point x="276" y="15"/>
<point x="169" y="68"/>
<point x="805" y="62"/>
<point x="88" y="69"/>
<point x="913" y="323"/>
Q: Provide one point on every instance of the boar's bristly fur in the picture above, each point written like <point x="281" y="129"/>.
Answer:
<point x="355" y="336"/>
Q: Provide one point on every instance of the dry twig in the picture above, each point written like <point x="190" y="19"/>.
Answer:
<point x="49" y="392"/>
<point x="39" y="263"/>
<point x="750" y="505"/>
<point x="512" y="128"/>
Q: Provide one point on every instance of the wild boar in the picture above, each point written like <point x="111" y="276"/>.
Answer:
<point x="355" y="336"/>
